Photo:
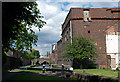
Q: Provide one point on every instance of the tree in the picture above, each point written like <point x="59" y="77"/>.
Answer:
<point x="31" y="54"/>
<point x="48" y="53"/>
<point x="81" y="50"/>
<point x="18" y="18"/>
<point x="35" y="53"/>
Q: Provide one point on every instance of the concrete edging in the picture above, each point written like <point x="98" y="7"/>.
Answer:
<point x="93" y="78"/>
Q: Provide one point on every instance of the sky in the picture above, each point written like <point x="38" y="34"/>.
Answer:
<point x="55" y="12"/>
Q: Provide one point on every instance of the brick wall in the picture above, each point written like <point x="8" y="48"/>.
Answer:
<point x="101" y="19"/>
<point x="11" y="63"/>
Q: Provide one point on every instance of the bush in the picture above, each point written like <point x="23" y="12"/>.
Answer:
<point x="37" y="63"/>
<point x="107" y="68"/>
<point x="80" y="51"/>
<point x="117" y="69"/>
<point x="84" y="64"/>
<point x="50" y="63"/>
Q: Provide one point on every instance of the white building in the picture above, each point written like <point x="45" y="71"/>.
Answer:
<point x="113" y="46"/>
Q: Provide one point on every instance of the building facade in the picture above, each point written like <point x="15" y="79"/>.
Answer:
<point x="99" y="24"/>
<point x="13" y="60"/>
<point x="54" y="54"/>
<point x="113" y="46"/>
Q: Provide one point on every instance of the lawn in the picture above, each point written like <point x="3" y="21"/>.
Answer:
<point x="22" y="76"/>
<point x="100" y="72"/>
<point x="32" y="65"/>
<point x="34" y="77"/>
<point x="5" y="71"/>
<point x="31" y="71"/>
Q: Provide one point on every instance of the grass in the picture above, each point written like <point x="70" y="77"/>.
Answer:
<point x="100" y="72"/>
<point x="34" y="77"/>
<point x="32" y="65"/>
<point x="23" y="76"/>
<point x="35" y="71"/>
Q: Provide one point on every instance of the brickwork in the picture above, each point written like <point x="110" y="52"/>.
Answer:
<point x="43" y="59"/>
<point x="13" y="60"/>
<point x="100" y="20"/>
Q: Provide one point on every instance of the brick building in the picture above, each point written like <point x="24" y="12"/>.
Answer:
<point x="13" y="60"/>
<point x="99" y="24"/>
<point x="54" y="54"/>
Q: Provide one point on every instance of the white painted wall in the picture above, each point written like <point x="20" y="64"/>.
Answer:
<point x="119" y="51"/>
<point x="71" y="31"/>
<point x="119" y="43"/>
<point x="112" y="46"/>
<point x="112" y="43"/>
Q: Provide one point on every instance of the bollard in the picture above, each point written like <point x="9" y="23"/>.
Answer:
<point x="71" y="69"/>
<point x="43" y="68"/>
<point x="51" y="65"/>
<point x="62" y="69"/>
<point x="83" y="70"/>
<point x="118" y="76"/>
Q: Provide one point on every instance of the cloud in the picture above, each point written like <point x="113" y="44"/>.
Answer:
<point x="82" y="0"/>
<point x="91" y="5"/>
<point x="44" y="48"/>
<point x="47" y="36"/>
<point x="38" y="45"/>
<point x="47" y="10"/>
<point x="51" y="32"/>
<point x="45" y="45"/>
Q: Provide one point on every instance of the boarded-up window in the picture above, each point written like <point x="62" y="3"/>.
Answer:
<point x="113" y="63"/>
<point x="86" y="15"/>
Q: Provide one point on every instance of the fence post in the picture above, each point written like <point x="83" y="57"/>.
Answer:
<point x="71" y="69"/>
<point x="62" y="69"/>
<point x="51" y="66"/>
<point x="43" y="68"/>
<point x="118" y="76"/>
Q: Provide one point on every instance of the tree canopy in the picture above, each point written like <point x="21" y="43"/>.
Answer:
<point x="48" y="53"/>
<point x="81" y="49"/>
<point x="18" y="18"/>
<point x="31" y="54"/>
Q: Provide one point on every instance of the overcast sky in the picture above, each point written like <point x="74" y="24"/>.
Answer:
<point x="54" y="12"/>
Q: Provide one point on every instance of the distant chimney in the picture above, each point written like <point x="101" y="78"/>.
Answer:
<point x="54" y="47"/>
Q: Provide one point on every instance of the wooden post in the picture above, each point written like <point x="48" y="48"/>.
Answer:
<point x="83" y="70"/>
<point x="71" y="69"/>
<point x="43" y="68"/>
<point x="62" y="69"/>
